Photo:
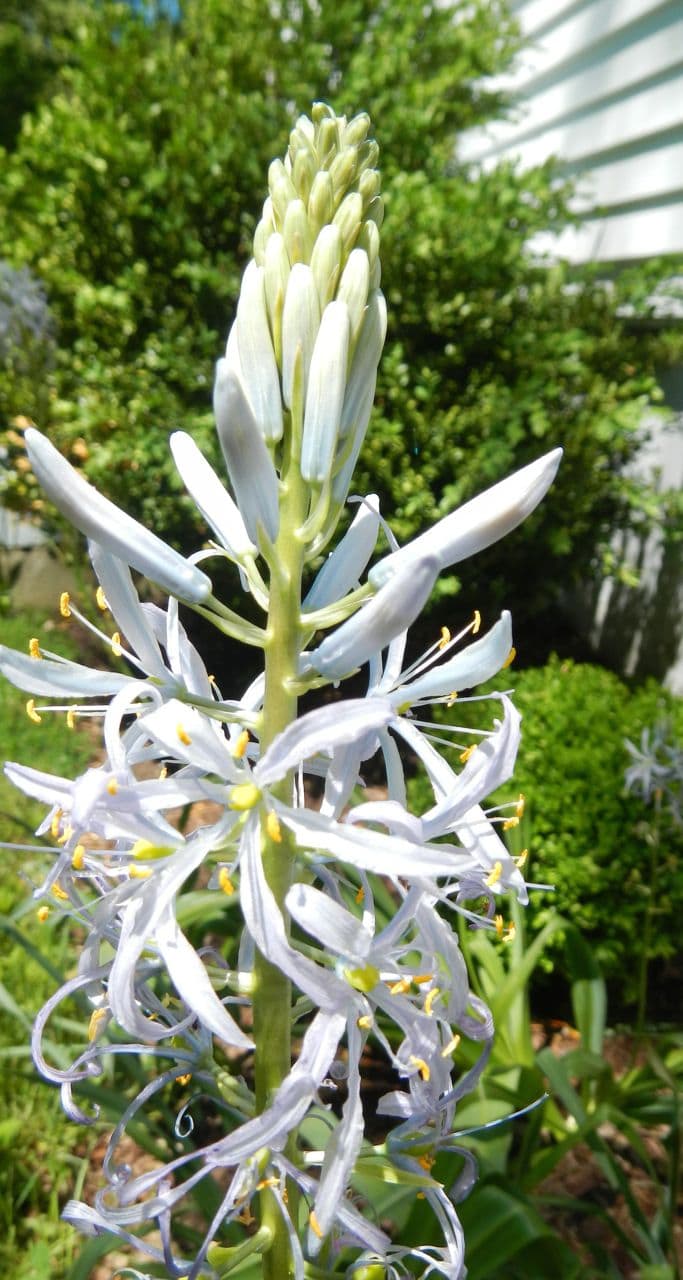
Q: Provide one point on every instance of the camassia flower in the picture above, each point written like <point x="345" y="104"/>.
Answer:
<point x="338" y="938"/>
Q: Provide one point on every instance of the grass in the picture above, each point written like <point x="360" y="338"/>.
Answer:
<point x="42" y="1155"/>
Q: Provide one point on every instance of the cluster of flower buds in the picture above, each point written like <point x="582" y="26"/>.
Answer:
<point x="350" y="906"/>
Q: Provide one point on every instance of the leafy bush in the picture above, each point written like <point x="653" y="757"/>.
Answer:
<point x="582" y="829"/>
<point x="132" y="191"/>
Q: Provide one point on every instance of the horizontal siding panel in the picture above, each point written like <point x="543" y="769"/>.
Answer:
<point x="651" y="175"/>
<point x="580" y="36"/>
<point x="535" y="15"/>
<point x="621" y="73"/>
<point x="641" y="234"/>
<point x="641" y="116"/>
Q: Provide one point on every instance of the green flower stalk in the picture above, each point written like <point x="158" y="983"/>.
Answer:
<point x="316" y="961"/>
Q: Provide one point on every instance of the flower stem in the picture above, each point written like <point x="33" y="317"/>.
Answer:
<point x="272" y="993"/>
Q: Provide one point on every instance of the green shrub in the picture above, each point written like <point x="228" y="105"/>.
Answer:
<point x="582" y="829"/>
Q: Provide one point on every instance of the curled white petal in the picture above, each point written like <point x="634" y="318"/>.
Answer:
<point x="99" y="519"/>
<point x="211" y="496"/>
<point x="344" y="567"/>
<point x="247" y="458"/>
<point x="480" y="661"/>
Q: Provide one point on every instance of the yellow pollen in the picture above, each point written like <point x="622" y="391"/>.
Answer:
<point x="97" y="1017"/>
<point x="246" y="1217"/>
<point x="241" y="745"/>
<point x="476" y="622"/>
<point x="183" y="736"/>
<point x="32" y="713"/>
<point x="521" y="860"/>
<point x="519" y="808"/>
<point x="510" y="823"/>
<point x="54" y="825"/>
<point x="285" y="1196"/>
<point x="494" y="875"/>
<point x="211" y="679"/>
<point x="145" y="849"/>
<point x="184" y="1079"/>
<point x="267" y="1182"/>
<point x="421" y="978"/>
<point x="426" y="1162"/>
<point x="451" y="1047"/>
<point x="43" y="914"/>
<point x="421" y="1066"/>
<point x="116" y="644"/>
<point x="59" y="893"/>
<point x="360" y="895"/>
<point x="510" y="658"/>
<point x="244" y="796"/>
<point x="430" y="999"/>
<point x="399" y="988"/>
<point x="225" y="882"/>
<point x="66" y="835"/>
<point x="315" y="1225"/>
<point x="163" y="773"/>
<point x="364" y="1022"/>
<point x="78" y="857"/>
<point x="101" y="600"/>
<point x="498" y="922"/>
<point x="34" y="647"/>
<point x="65" y="604"/>
<point x="112" y="786"/>
<point x="139" y="873"/>
<point x="71" y="718"/>
<point x="445" y="637"/>
<point x="273" y="828"/>
<point x="469" y="751"/>
<point x="452" y="697"/>
<point x="510" y="933"/>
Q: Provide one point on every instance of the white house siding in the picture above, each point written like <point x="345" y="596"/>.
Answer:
<point x="599" y="86"/>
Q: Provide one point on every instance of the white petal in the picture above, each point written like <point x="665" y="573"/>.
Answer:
<point x="371" y="629"/>
<point x="124" y="603"/>
<point x="360" y="389"/>
<point x="480" y="661"/>
<point x="101" y="520"/>
<point x="343" y="568"/>
<point x="256" y="354"/>
<point x="211" y="496"/>
<point x="192" y="982"/>
<point x="478" y="524"/>
<point x="185" y="734"/>
<point x="341" y="1149"/>
<point x="329" y="922"/>
<point x="325" y="394"/>
<point x="247" y="458"/>
<point x="370" y="850"/>
<point x="324" y="730"/>
<point x="54" y="679"/>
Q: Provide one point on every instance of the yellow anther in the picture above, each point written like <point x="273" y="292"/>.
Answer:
<point x="469" y="751"/>
<point x="285" y="1196"/>
<point x="78" y="857"/>
<point x="510" y="932"/>
<point x="399" y="988"/>
<point x="143" y="849"/>
<point x="360" y="895"/>
<point x="183" y="736"/>
<point x="66" y="835"/>
<point x="521" y="860"/>
<point x="498" y="922"/>
<point x="244" y="796"/>
<point x="494" y="875"/>
<point x="112" y="786"/>
<point x="116" y="644"/>
<point x="445" y="637"/>
<point x="97" y="1017"/>
<point x="246" y="1217"/>
<point x="451" y="1047"/>
<point x="31" y="711"/>
<point x="183" y="1080"/>
<point x="59" y="893"/>
<point x="364" y="1022"/>
<point x="139" y="873"/>
<point x="43" y="914"/>
<point x="510" y="658"/>
<point x="452" y="697"/>
<point x="225" y="882"/>
<point x="426" y="1162"/>
<point x="65" y="604"/>
<point x="510" y="823"/>
<point x="519" y="807"/>
<point x="54" y="825"/>
<point x="101" y="600"/>
<point x="315" y="1225"/>
<point x="421" y="1066"/>
<point x="420" y="978"/>
<point x="71" y="718"/>
<point x="211" y="679"/>
<point x="363" y="979"/>
<point x="273" y="827"/>
<point x="267" y="1182"/>
<point x="34" y="647"/>
<point x="241" y="744"/>
<point x="476" y="622"/>
<point x="430" y="998"/>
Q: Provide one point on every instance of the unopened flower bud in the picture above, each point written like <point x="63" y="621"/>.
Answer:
<point x="348" y="218"/>
<point x="297" y="233"/>
<point x="325" y="394"/>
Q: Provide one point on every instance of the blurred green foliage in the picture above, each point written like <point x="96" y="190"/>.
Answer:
<point x="583" y="831"/>
<point x="132" y="192"/>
